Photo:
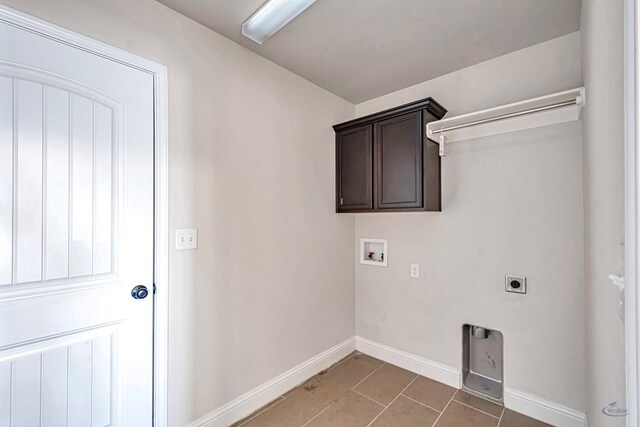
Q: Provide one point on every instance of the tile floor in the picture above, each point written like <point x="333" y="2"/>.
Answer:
<point x="363" y="391"/>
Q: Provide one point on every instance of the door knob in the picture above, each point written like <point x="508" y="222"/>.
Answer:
<point x="139" y="292"/>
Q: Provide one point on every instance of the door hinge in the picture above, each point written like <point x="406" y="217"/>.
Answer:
<point x="341" y="201"/>
<point x="154" y="288"/>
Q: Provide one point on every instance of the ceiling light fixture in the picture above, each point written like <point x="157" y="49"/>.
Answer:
<point x="272" y="16"/>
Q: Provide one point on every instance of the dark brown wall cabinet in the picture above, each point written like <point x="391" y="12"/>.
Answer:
<point x="384" y="162"/>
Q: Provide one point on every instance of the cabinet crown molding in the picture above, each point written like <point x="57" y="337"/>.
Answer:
<point x="431" y="105"/>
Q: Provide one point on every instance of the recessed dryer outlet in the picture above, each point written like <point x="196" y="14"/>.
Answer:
<point x="515" y="284"/>
<point x="482" y="371"/>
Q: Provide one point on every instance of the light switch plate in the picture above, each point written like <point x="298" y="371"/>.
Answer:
<point x="415" y="271"/>
<point x="186" y="239"/>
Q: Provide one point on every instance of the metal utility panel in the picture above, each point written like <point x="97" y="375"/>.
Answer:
<point x="482" y="355"/>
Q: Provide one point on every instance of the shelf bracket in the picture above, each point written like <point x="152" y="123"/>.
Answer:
<point x="442" y="140"/>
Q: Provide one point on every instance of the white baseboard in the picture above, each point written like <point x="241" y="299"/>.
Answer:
<point x="544" y="410"/>
<point x="248" y="403"/>
<point x="425" y="367"/>
<point x="527" y="404"/>
<point x="530" y="405"/>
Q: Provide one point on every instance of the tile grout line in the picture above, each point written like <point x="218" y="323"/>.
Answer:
<point x="360" y="363"/>
<point x="364" y="379"/>
<point x="352" y="388"/>
<point x="330" y="368"/>
<point x="335" y="365"/>
<point x="472" y="407"/>
<point x="322" y="372"/>
<point x="320" y="413"/>
<point x="427" y="406"/>
<point x="265" y="409"/>
<point x="391" y="403"/>
<point x="365" y="396"/>
<point x="504" y="408"/>
<point x="364" y="364"/>
<point x="280" y="398"/>
<point x="441" y="413"/>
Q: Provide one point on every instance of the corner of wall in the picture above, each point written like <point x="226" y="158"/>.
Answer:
<point x="603" y="149"/>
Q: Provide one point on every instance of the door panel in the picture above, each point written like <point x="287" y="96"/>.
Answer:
<point x="64" y="152"/>
<point x="57" y="117"/>
<point x="25" y="392"/>
<point x="103" y="189"/>
<point x="5" y="394"/>
<point x="28" y="181"/>
<point x="79" y="385"/>
<point x="76" y="235"/>
<point x="354" y="169"/>
<point x="72" y="384"/>
<point x="54" y="387"/>
<point x="398" y="147"/>
<point x="81" y="186"/>
<point x="6" y="179"/>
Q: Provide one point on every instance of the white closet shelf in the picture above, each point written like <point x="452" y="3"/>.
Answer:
<point x="546" y="110"/>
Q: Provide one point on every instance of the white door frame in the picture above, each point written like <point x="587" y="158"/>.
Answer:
<point x="632" y="296"/>
<point x="161" y="183"/>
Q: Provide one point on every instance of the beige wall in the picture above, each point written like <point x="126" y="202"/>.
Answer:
<point x="252" y="167"/>
<point x="603" y="121"/>
<point x="512" y="204"/>
<point x="251" y="164"/>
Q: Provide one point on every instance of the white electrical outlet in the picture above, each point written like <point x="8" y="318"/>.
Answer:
<point x="415" y="271"/>
<point x="186" y="239"/>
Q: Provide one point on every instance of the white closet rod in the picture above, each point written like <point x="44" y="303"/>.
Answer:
<point x="508" y="116"/>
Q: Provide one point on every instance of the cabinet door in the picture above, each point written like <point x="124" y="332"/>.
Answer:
<point x="353" y="169"/>
<point x="398" y="151"/>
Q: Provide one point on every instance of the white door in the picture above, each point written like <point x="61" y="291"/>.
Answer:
<point x="76" y="235"/>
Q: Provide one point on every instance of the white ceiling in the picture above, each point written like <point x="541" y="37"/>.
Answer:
<point x="361" y="49"/>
